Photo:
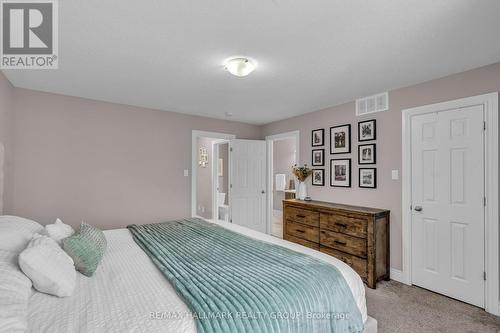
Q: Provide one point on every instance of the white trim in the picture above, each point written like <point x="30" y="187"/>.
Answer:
<point x="491" y="189"/>
<point x="269" y="188"/>
<point x="490" y="102"/>
<point x="194" y="160"/>
<point x="396" y="275"/>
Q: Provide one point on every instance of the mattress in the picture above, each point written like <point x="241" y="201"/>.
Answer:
<point x="129" y="294"/>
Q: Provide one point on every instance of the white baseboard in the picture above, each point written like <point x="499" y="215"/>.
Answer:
<point x="397" y="275"/>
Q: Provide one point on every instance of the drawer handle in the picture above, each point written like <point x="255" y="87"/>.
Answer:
<point x="340" y="243"/>
<point x="341" y="225"/>
<point x="302" y="231"/>
<point x="301" y="216"/>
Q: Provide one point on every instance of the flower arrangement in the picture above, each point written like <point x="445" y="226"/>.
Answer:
<point x="301" y="172"/>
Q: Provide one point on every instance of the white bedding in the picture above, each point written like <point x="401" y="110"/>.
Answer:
<point x="127" y="290"/>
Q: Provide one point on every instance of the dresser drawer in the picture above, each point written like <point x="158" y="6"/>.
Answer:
<point x="302" y="231"/>
<point x="358" y="264"/>
<point x="344" y="243"/>
<point x="303" y="216"/>
<point x="302" y="242"/>
<point x="349" y="225"/>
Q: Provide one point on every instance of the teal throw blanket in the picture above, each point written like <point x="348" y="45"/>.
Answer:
<point x="234" y="283"/>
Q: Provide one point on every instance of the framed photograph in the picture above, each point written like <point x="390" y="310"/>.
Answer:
<point x="340" y="139"/>
<point x="367" y="154"/>
<point x="368" y="177"/>
<point x="318" y="157"/>
<point x="318" y="137"/>
<point x="340" y="172"/>
<point x="367" y="130"/>
<point x="318" y="177"/>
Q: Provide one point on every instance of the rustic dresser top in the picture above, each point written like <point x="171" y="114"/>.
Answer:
<point x="330" y="205"/>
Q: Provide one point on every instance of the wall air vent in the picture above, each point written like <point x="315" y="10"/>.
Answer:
<point x="372" y="104"/>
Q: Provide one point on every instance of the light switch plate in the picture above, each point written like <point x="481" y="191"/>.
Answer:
<point x="395" y="174"/>
<point x="186" y="173"/>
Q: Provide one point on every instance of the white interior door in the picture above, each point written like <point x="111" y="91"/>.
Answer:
<point x="247" y="183"/>
<point x="448" y="203"/>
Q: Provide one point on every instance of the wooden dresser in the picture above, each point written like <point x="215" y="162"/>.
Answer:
<point x="359" y="236"/>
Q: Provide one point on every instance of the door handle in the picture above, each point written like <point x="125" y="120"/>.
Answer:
<point x="418" y="208"/>
<point x="263" y="192"/>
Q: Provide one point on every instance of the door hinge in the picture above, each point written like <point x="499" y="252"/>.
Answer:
<point x="231" y="149"/>
<point x="484" y="201"/>
<point x="484" y="126"/>
<point x="231" y="220"/>
<point x="230" y="185"/>
<point x="484" y="276"/>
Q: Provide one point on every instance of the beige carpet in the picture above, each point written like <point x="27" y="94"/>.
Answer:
<point x="401" y="308"/>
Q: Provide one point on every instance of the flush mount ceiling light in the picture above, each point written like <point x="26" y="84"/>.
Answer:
<point x="239" y="66"/>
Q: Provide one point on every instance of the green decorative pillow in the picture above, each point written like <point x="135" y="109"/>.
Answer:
<point x="86" y="248"/>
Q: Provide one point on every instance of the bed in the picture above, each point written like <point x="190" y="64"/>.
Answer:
<point x="128" y="293"/>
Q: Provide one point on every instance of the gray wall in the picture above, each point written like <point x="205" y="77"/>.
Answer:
<point x="388" y="194"/>
<point x="6" y="144"/>
<point x="104" y="163"/>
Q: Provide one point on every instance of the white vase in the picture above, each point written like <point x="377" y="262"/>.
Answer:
<point x="302" y="191"/>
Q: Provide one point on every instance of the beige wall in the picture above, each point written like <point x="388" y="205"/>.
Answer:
<point x="388" y="193"/>
<point x="106" y="164"/>
<point x="6" y="149"/>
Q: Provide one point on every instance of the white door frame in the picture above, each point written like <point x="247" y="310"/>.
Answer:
<point x="194" y="160"/>
<point x="269" y="188"/>
<point x="215" y="176"/>
<point x="490" y="102"/>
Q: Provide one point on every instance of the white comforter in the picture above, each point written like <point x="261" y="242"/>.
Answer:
<point x="129" y="294"/>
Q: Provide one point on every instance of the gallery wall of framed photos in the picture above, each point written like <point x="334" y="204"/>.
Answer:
<point x="367" y="153"/>
<point x="318" y="157"/>
<point x="341" y="163"/>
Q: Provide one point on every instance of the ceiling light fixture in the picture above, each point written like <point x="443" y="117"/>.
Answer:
<point x="239" y="66"/>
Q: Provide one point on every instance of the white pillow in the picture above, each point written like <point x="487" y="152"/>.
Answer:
<point x="16" y="232"/>
<point x="15" y="291"/>
<point x="47" y="265"/>
<point x="58" y="231"/>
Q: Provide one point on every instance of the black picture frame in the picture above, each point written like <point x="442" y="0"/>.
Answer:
<point x="322" y="172"/>
<point x="372" y="137"/>
<point x="313" y="161"/>
<point x="361" y="182"/>
<point x="322" y="135"/>
<point x="348" y="173"/>
<point x="373" y="160"/>
<point x="347" y="139"/>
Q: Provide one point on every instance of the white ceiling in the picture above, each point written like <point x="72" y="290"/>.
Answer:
<point x="311" y="54"/>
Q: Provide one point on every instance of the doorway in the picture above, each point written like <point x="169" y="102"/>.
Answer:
<point x="450" y="225"/>
<point x="243" y="202"/>
<point x="282" y="155"/>
<point x="204" y="174"/>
